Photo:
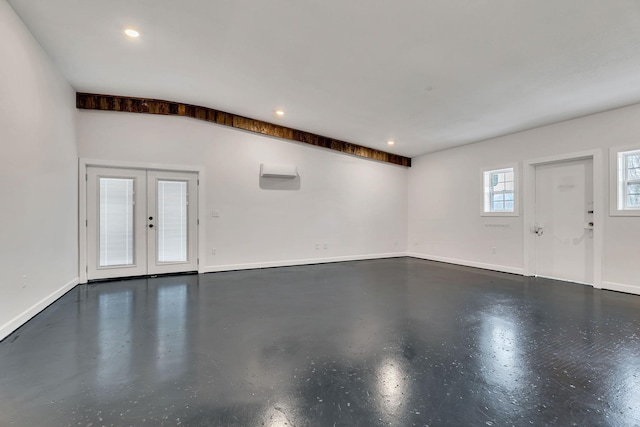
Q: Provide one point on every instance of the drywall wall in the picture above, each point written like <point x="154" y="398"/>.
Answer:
<point x="356" y="208"/>
<point x="38" y="171"/>
<point x="445" y="197"/>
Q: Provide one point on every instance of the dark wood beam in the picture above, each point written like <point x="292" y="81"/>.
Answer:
<point x="91" y="101"/>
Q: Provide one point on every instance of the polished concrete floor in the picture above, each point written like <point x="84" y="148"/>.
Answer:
<point x="398" y="342"/>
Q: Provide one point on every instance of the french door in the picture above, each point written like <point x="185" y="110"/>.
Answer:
<point x="140" y="222"/>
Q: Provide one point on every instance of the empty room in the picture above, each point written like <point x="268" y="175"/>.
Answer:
<point x="320" y="213"/>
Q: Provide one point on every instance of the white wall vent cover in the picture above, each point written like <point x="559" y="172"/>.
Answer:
<point x="278" y="171"/>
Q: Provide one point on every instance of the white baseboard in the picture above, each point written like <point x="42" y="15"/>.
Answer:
<point x="620" y="287"/>
<point x="484" y="266"/>
<point x="25" y="316"/>
<point x="293" y="262"/>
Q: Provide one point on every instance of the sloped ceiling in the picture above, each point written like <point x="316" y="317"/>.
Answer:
<point x="428" y="74"/>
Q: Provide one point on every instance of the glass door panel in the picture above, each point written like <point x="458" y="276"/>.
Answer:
<point x="116" y="221"/>
<point x="172" y="221"/>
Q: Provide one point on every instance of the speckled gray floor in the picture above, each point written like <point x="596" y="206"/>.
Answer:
<point x="399" y="342"/>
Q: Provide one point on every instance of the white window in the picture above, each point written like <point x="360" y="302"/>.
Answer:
<point x="500" y="198"/>
<point x="627" y="182"/>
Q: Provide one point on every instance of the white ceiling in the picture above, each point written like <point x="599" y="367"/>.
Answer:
<point x="430" y="74"/>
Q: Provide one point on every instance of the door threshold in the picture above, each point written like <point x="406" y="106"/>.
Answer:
<point x="146" y="276"/>
<point x="564" y="280"/>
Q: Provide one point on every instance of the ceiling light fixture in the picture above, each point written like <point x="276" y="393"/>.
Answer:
<point x="280" y="113"/>
<point x="391" y="142"/>
<point x="131" y="32"/>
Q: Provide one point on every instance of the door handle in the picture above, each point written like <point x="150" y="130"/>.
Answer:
<point x="150" y="225"/>
<point x="537" y="230"/>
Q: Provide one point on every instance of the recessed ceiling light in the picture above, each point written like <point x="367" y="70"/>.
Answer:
<point x="280" y="113"/>
<point x="131" y="32"/>
<point x="391" y="142"/>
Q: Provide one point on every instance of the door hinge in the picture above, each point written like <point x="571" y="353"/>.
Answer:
<point x="198" y="261"/>
<point x="86" y="222"/>
<point x="86" y="177"/>
<point x="86" y="268"/>
<point x="198" y="181"/>
<point x="198" y="221"/>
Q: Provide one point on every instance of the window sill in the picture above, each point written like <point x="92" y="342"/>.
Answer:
<point x="624" y="212"/>
<point x="503" y="214"/>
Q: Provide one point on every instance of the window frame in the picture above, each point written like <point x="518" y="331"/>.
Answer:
<point x="485" y="177"/>
<point x="618" y="181"/>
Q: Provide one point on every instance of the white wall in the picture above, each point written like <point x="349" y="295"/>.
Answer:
<point x="445" y="197"/>
<point x="38" y="171"/>
<point x="357" y="207"/>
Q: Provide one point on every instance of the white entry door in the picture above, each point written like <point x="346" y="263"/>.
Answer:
<point x="564" y="221"/>
<point x="140" y="222"/>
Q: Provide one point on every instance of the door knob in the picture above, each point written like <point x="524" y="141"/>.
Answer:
<point x="150" y="218"/>
<point x="538" y="230"/>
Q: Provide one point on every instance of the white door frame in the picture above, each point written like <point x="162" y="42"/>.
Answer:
<point x="529" y="211"/>
<point x="82" y="200"/>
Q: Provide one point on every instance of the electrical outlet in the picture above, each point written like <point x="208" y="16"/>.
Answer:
<point x="326" y="246"/>
<point x="213" y="251"/>
<point x="317" y="246"/>
<point x="215" y="214"/>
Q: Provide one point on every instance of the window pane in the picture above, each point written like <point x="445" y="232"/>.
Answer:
<point x="116" y="222"/>
<point x="508" y="206"/>
<point x="633" y="161"/>
<point x="499" y="188"/>
<point x="172" y="221"/>
<point x="633" y="189"/>
<point x="633" y="201"/>
<point x="633" y="174"/>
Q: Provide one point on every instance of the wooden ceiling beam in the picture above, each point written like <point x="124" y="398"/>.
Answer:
<point x="91" y="101"/>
